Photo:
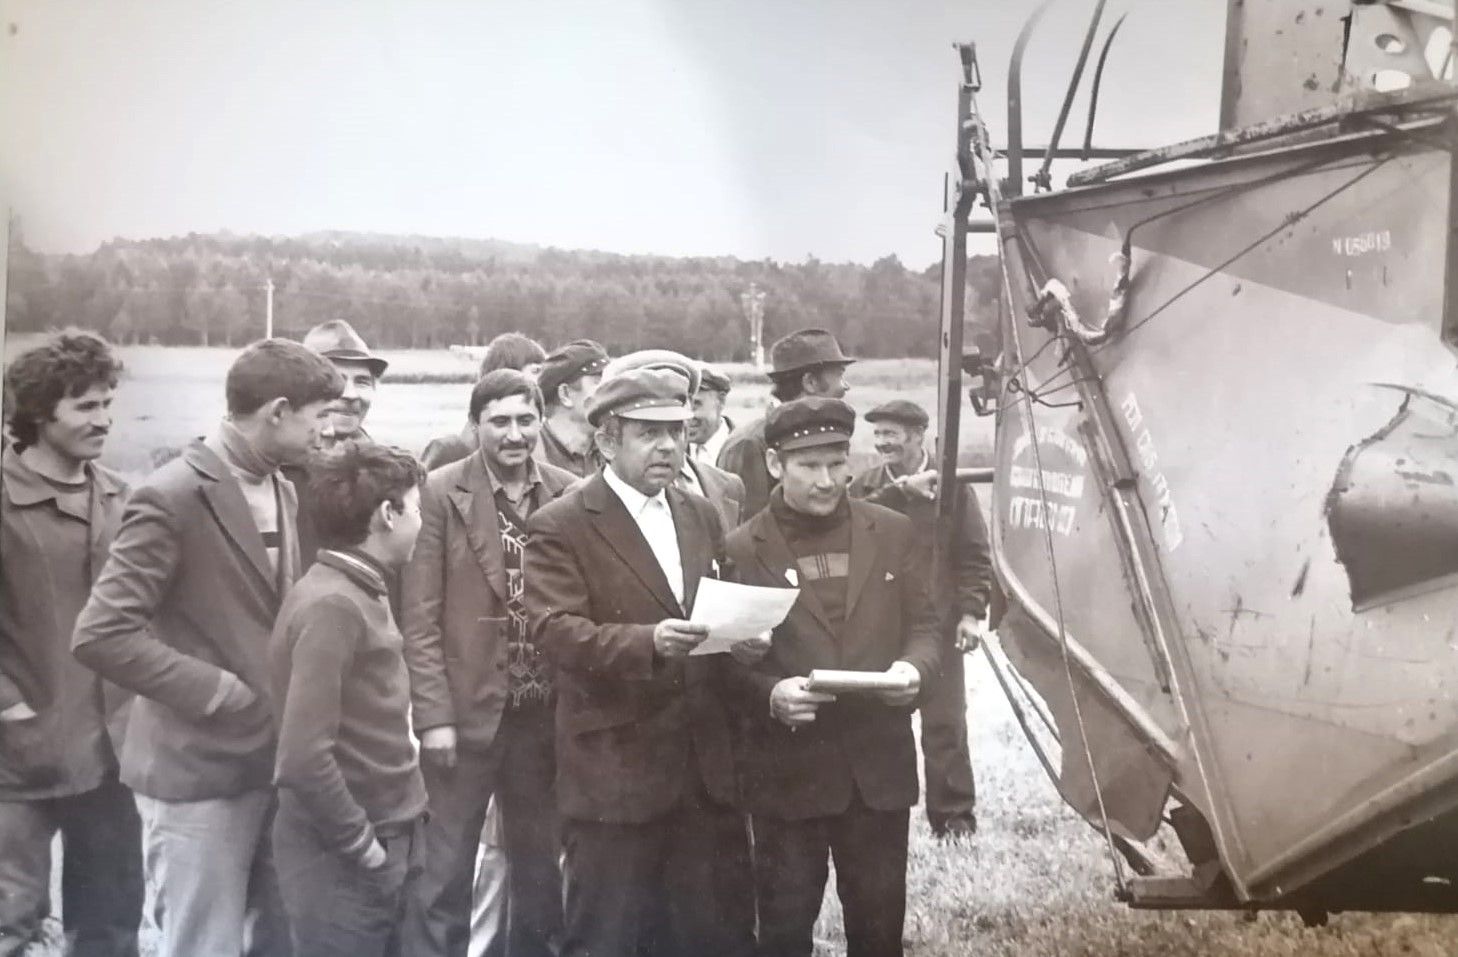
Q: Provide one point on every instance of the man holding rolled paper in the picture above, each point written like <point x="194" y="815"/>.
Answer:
<point x="828" y="766"/>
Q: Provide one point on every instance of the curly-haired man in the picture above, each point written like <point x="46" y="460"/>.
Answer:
<point x="58" y="769"/>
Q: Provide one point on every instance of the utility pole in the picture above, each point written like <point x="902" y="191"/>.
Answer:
<point x="268" y="309"/>
<point x="753" y="304"/>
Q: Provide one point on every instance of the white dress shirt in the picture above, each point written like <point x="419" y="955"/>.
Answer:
<point x="708" y="450"/>
<point x="655" y="520"/>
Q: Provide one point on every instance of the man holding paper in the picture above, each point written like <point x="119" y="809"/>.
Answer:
<point x="831" y="775"/>
<point x="657" y="860"/>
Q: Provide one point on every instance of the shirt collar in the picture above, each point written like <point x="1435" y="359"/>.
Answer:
<point x="633" y="500"/>
<point x="25" y="486"/>
<point x="357" y="567"/>
<point x="533" y="476"/>
<point x="922" y="467"/>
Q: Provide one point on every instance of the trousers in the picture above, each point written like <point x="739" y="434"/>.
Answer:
<point x="211" y="865"/>
<point x="101" y="870"/>
<point x="946" y="753"/>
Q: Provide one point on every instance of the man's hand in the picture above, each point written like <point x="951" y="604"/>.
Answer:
<point x="970" y="630"/>
<point x="791" y="704"/>
<point x="920" y="485"/>
<point x="751" y="651"/>
<point x="20" y="711"/>
<point x="438" y="745"/>
<point x="674" y="638"/>
<point x="911" y="684"/>
<point x="374" y="856"/>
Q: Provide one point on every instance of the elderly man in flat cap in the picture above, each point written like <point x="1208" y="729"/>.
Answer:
<point x="825" y="777"/>
<point x="710" y="428"/>
<point x="656" y="853"/>
<point x="806" y="362"/>
<point x="961" y="595"/>
<point x="567" y="379"/>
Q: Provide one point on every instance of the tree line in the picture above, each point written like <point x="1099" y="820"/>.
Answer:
<point x="424" y="292"/>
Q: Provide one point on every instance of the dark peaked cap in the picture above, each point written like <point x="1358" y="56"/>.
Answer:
<point x="650" y="395"/>
<point x="577" y="358"/>
<point x="336" y="339"/>
<point x="903" y="411"/>
<point x="712" y="378"/>
<point x="809" y="421"/>
<point x="806" y="349"/>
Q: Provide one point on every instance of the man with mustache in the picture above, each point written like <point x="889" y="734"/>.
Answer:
<point x="961" y="592"/>
<point x="181" y="614"/>
<point x="60" y="725"/>
<point x="656" y="853"/>
<point x="360" y="369"/>
<point x="805" y="362"/>
<point x="510" y="350"/>
<point x="482" y="693"/>
<point x="826" y="777"/>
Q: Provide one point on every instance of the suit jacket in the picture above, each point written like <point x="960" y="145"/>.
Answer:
<point x="724" y="489"/>
<point x="962" y="584"/>
<point x="631" y="726"/>
<point x="186" y="598"/>
<point x="857" y="743"/>
<point x="743" y="454"/>
<point x="455" y="618"/>
<point x="70" y="746"/>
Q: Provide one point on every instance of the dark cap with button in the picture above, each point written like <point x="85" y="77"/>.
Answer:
<point x="806" y="349"/>
<point x="649" y="395"/>
<point x="809" y="421"/>
<point x="901" y="411"/>
<point x="336" y="339"/>
<point x="712" y="379"/>
<point x="568" y="363"/>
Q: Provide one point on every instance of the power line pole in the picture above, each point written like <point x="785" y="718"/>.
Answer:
<point x="268" y="309"/>
<point x="753" y="303"/>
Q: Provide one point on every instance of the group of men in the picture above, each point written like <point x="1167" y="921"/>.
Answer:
<point x="323" y="695"/>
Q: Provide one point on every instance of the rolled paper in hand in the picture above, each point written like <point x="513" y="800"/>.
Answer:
<point x="832" y="681"/>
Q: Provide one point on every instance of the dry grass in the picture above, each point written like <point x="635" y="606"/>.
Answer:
<point x="1035" y="879"/>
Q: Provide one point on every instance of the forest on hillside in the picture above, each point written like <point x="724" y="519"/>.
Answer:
<point x="423" y="292"/>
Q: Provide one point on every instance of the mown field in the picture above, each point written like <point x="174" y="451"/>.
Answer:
<point x="1034" y="881"/>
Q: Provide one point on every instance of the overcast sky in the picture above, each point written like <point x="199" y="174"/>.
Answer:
<point x="753" y="128"/>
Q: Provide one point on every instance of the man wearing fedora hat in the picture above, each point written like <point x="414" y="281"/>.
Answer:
<point x="657" y="859"/>
<point x="361" y="370"/>
<point x="960" y="593"/>
<point x="805" y="362"/>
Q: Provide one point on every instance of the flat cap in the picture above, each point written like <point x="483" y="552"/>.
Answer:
<point x="336" y="339"/>
<point x="655" y="359"/>
<point x="805" y="349"/>
<point x="649" y="395"/>
<point x="711" y="378"/>
<point x="567" y="363"/>
<point x="809" y="421"/>
<point x="903" y="411"/>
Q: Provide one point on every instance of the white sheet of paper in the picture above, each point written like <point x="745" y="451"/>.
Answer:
<point x="736" y="612"/>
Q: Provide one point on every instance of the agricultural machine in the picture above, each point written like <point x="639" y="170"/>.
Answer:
<point x="1225" y="482"/>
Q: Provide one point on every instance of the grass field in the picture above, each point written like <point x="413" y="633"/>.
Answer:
<point x="1035" y="879"/>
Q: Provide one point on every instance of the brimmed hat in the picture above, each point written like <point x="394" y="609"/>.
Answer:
<point x="711" y="378"/>
<point x="649" y="395"/>
<point x="655" y="359"/>
<point x="567" y="363"/>
<point x="805" y="349"/>
<point x="336" y="339"/>
<point x="809" y="421"/>
<point x="902" y="411"/>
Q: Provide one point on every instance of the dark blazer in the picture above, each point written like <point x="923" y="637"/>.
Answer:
<point x="724" y="489"/>
<point x="627" y="720"/>
<point x="855" y="742"/>
<point x="743" y="455"/>
<point x="454" y="617"/>
<point x="187" y="596"/>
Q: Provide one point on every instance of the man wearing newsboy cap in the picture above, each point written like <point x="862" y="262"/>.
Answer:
<point x="960" y="592"/>
<point x="806" y="362"/>
<point x="656" y="853"/>
<point x="828" y="777"/>
<point x="567" y="379"/>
